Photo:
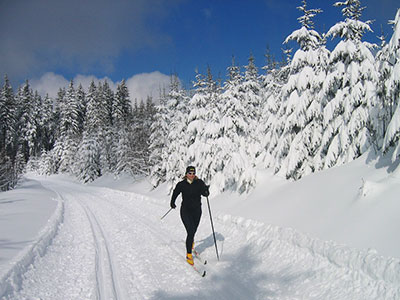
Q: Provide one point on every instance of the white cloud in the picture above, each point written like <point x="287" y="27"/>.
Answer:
<point x="49" y="83"/>
<point x="140" y="86"/>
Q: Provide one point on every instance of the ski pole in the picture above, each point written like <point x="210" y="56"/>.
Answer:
<point x="212" y="226"/>
<point x="166" y="213"/>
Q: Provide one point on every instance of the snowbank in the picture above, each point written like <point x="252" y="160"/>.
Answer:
<point x="44" y="217"/>
<point x="369" y="262"/>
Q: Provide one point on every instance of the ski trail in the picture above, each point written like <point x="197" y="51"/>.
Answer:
<point x="150" y="261"/>
<point x="113" y="245"/>
<point x="65" y="269"/>
<point x="106" y="282"/>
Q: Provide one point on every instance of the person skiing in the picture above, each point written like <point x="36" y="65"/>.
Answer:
<point x="192" y="188"/>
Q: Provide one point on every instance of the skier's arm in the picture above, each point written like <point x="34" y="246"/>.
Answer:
<point x="175" y="194"/>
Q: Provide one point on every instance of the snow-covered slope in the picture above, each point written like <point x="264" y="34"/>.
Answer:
<point x="285" y="240"/>
<point x="356" y="204"/>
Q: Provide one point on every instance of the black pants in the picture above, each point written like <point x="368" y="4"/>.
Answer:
<point x="191" y="219"/>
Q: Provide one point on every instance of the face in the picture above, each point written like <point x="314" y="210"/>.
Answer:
<point x="191" y="175"/>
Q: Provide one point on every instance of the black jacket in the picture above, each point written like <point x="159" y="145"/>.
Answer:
<point x="191" y="193"/>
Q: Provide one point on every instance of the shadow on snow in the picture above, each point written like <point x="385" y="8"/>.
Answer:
<point x="236" y="276"/>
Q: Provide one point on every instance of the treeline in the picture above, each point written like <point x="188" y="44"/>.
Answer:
<point x="82" y="133"/>
<point x="318" y="109"/>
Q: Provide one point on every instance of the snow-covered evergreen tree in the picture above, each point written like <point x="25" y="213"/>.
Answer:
<point x="392" y="136"/>
<point x="6" y="171"/>
<point x="122" y="108"/>
<point x="81" y="100"/>
<point x="274" y="111"/>
<point x="124" y="152"/>
<point x="233" y="153"/>
<point x="88" y="167"/>
<point x="105" y="134"/>
<point x="383" y="110"/>
<point x="70" y="130"/>
<point x="174" y="158"/>
<point x="26" y="126"/>
<point x="202" y="130"/>
<point x="251" y="87"/>
<point x="47" y="163"/>
<point x="143" y="117"/>
<point x="350" y="90"/>
<point x="160" y="129"/>
<point x="123" y="144"/>
<point x="70" y="113"/>
<point x="302" y="130"/>
<point x="48" y="131"/>
<point x="8" y="110"/>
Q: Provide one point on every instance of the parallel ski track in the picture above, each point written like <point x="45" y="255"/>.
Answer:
<point x="107" y="286"/>
<point x="126" y="208"/>
<point x="134" y="214"/>
<point x="122" y="212"/>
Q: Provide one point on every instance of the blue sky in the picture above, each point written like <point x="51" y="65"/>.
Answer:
<point x="123" y="38"/>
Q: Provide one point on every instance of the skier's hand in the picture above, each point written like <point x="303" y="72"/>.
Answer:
<point x="207" y="191"/>
<point x="173" y="205"/>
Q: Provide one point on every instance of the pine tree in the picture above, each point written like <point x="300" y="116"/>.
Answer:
<point x="350" y="90"/>
<point x="173" y="159"/>
<point x="88" y="167"/>
<point x="7" y="118"/>
<point x="251" y="87"/>
<point x="26" y="126"/>
<point x="274" y="111"/>
<point x="105" y="134"/>
<point x="383" y="110"/>
<point x="143" y="116"/>
<point x="6" y="172"/>
<point x="202" y="127"/>
<point x="47" y="125"/>
<point x="70" y="114"/>
<point x="302" y="129"/>
<point x="392" y="136"/>
<point x="123" y="143"/>
<point x="124" y="152"/>
<point x="159" y="142"/>
<point x="106" y="98"/>
<point x="70" y="130"/>
<point x="122" y="109"/>
<point x="37" y="114"/>
<point x="232" y="154"/>
<point x="81" y="100"/>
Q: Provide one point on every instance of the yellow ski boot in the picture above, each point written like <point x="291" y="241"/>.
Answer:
<point x="189" y="259"/>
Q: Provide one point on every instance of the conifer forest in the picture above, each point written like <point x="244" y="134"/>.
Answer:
<point x="315" y="109"/>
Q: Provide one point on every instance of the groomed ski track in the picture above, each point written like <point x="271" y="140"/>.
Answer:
<point x="108" y="244"/>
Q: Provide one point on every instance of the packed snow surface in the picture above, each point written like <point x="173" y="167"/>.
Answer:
<point x="64" y="240"/>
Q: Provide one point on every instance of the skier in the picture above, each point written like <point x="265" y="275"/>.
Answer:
<point x="192" y="188"/>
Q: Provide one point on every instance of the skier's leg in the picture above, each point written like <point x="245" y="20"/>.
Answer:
<point x="187" y="220"/>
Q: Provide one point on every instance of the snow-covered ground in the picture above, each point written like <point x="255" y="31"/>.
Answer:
<point x="331" y="235"/>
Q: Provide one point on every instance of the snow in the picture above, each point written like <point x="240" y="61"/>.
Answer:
<point x="24" y="212"/>
<point x="330" y="235"/>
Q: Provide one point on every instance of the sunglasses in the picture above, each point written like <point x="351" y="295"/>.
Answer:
<point x="191" y="173"/>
